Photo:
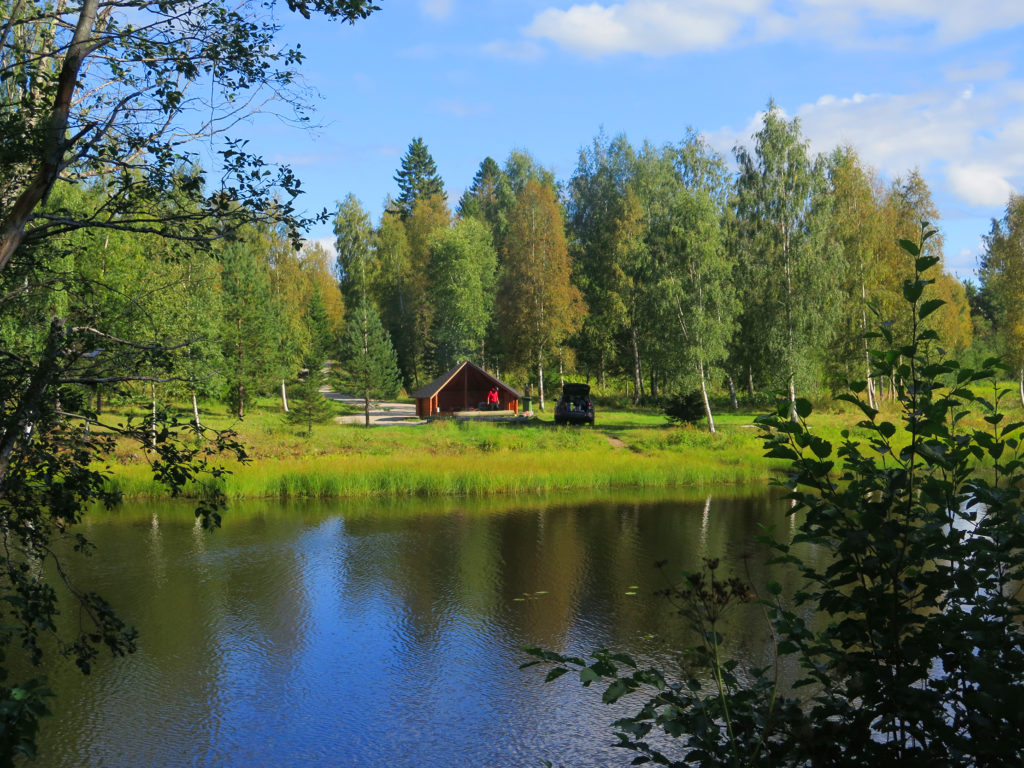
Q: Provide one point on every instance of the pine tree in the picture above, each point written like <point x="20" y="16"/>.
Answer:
<point x="481" y="199"/>
<point x="308" y="405"/>
<point x="253" y="328"/>
<point x="368" y="366"/>
<point x="417" y="178"/>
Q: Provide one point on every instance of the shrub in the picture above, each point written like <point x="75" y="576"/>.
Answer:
<point x="685" y="409"/>
<point x="909" y="641"/>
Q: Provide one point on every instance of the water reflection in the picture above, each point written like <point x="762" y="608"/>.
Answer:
<point x="322" y="636"/>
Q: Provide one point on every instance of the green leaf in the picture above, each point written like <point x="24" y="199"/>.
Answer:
<point x="803" y="407"/>
<point x="821" y="448"/>
<point x="912" y="290"/>
<point x="910" y="247"/>
<point x="615" y="691"/>
<point x="925" y="263"/>
<point x="928" y="307"/>
<point x="555" y="673"/>
<point x="774" y="588"/>
<point x="588" y="676"/>
<point x="781" y="452"/>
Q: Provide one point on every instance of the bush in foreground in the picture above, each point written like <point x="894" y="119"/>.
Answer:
<point x="910" y="640"/>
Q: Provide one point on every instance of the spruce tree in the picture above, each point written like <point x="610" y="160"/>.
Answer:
<point x="308" y="405"/>
<point x="417" y="178"/>
<point x="369" y="366"/>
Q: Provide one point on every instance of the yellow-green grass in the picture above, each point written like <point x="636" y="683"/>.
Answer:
<point x="629" y="448"/>
<point x="464" y="473"/>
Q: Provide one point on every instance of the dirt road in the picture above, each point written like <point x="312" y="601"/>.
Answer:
<point x="380" y="412"/>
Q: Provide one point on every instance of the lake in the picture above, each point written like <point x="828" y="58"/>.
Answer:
<point x="386" y="634"/>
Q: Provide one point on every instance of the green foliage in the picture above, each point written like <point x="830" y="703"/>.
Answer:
<point x="354" y="242"/>
<point x="1002" y="281"/>
<point x="463" y="273"/>
<point x="51" y="470"/>
<point x="685" y="409"/>
<point x="307" y="404"/>
<point x="254" y="338"/>
<point x="108" y="91"/>
<point x="97" y="104"/>
<point x="368" y="365"/>
<point x="417" y="178"/>
<point x="787" y="270"/>
<point x="908" y="637"/>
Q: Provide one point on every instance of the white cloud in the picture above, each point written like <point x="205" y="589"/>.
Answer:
<point x="439" y="9"/>
<point x="989" y="70"/>
<point x="327" y="243"/>
<point x="654" y="27"/>
<point x="978" y="184"/>
<point x="947" y="132"/>
<point x="666" y="27"/>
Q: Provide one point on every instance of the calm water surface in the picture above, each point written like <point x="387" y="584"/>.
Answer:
<point x="335" y="636"/>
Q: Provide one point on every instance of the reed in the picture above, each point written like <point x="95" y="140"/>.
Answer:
<point x="476" y="473"/>
<point x="628" y="449"/>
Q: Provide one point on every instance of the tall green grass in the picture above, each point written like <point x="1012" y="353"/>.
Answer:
<point x="465" y="474"/>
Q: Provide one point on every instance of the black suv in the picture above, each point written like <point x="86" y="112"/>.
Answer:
<point x="575" y="405"/>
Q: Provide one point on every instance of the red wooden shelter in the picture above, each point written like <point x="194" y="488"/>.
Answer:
<point x="463" y="388"/>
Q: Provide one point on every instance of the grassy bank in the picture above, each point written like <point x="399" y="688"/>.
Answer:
<point x="629" y="448"/>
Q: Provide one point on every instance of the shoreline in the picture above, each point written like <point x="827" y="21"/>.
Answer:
<point x="469" y="474"/>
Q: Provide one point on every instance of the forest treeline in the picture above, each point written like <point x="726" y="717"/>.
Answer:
<point x="658" y="268"/>
<point x="653" y="270"/>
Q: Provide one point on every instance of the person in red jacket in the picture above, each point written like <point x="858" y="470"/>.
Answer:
<point x="492" y="399"/>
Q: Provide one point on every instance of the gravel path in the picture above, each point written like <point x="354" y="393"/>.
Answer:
<point x="380" y="412"/>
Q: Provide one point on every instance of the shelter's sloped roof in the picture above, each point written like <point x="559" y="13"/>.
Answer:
<point x="437" y="384"/>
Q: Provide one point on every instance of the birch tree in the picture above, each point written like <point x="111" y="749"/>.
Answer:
<point x="463" y="274"/>
<point x="1002" y="279"/>
<point x="538" y="306"/>
<point x="696" y="281"/>
<point x="111" y="94"/>
<point x="787" y="269"/>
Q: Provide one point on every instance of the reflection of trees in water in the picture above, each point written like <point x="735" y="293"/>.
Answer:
<point x="292" y="614"/>
<point x="563" y="575"/>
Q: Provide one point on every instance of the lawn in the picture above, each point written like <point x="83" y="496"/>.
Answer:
<point x="628" y="448"/>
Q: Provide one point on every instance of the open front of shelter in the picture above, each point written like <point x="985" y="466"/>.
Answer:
<point x="464" y="388"/>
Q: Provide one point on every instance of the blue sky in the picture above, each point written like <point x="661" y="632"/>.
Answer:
<point x="932" y="84"/>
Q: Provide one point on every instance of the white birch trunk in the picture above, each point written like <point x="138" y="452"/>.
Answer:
<point x="792" y="398"/>
<point x="195" y="410"/>
<point x="284" y="395"/>
<point x="704" y="395"/>
<point x="867" y="357"/>
<point x="634" y="335"/>
<point x="540" y="379"/>
<point x="152" y="418"/>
